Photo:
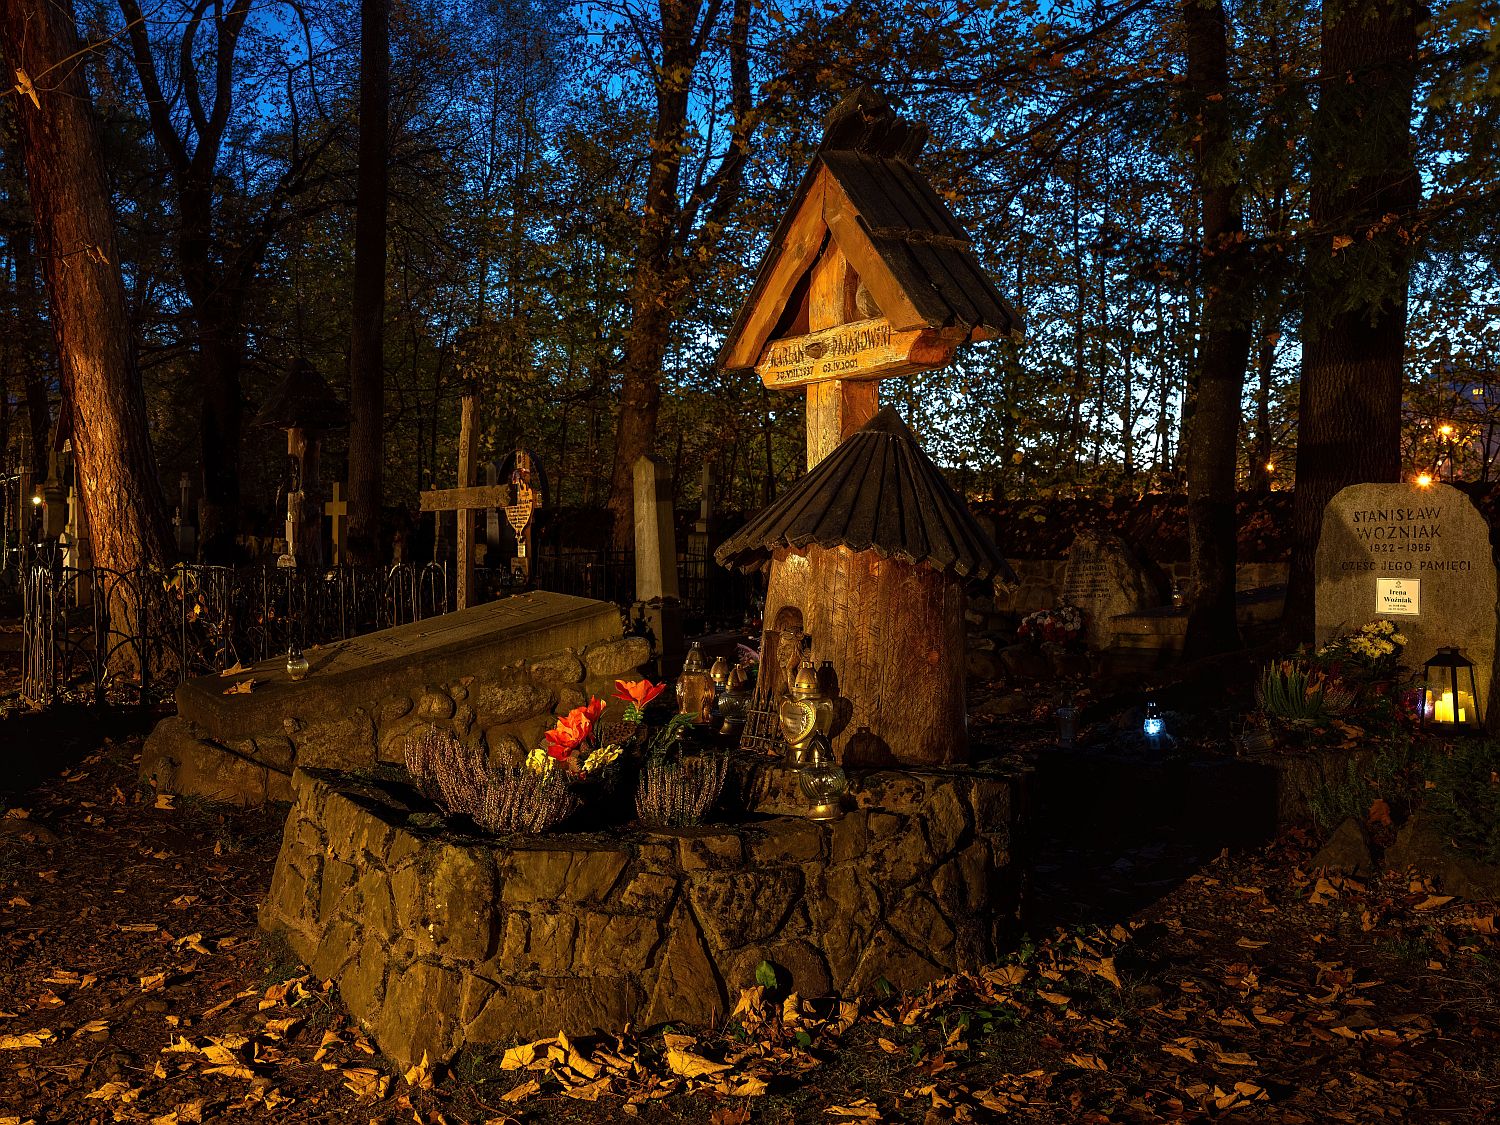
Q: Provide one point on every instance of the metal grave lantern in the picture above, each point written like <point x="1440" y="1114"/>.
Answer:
<point x="1450" y="695"/>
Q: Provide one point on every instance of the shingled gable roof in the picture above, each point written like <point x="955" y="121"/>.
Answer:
<point x="901" y="225"/>
<point x="878" y="491"/>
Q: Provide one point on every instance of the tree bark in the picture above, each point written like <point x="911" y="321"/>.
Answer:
<point x="367" y="327"/>
<point x="1213" y="433"/>
<point x="666" y="263"/>
<point x="1364" y="184"/>
<point x="80" y="268"/>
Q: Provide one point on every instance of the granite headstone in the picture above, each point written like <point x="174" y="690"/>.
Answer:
<point x="1417" y="556"/>
<point x="1104" y="577"/>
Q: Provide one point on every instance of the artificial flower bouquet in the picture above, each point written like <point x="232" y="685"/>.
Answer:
<point x="1060" y="625"/>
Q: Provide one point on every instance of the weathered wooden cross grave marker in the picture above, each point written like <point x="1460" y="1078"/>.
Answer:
<point x="869" y="276"/>
<point x="466" y="499"/>
<point x="303" y="406"/>
<point x="337" y="510"/>
<point x="518" y="499"/>
<point x="523" y="500"/>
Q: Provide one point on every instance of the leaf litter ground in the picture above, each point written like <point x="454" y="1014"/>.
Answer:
<point x="134" y="986"/>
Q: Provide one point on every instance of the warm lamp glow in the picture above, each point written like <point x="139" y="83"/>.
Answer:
<point x="1270" y="466"/>
<point x="1445" y="429"/>
<point x="1424" y="480"/>
<point x="36" y="498"/>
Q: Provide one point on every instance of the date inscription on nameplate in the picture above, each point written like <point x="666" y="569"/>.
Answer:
<point x="1401" y="597"/>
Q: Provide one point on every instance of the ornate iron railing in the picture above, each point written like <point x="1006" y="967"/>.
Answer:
<point x="137" y="633"/>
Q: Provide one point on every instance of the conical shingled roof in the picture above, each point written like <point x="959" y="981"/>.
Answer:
<point x="878" y="491"/>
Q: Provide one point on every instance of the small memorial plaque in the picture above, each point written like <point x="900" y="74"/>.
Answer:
<point x="1398" y="596"/>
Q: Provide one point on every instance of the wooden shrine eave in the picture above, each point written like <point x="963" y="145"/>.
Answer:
<point x="910" y="255"/>
<point x="880" y="492"/>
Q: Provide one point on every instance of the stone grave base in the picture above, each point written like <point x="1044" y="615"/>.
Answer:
<point x="495" y="675"/>
<point x="439" y="940"/>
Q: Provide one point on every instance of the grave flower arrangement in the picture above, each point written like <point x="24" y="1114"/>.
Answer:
<point x="1371" y="653"/>
<point x="585" y="749"/>
<point x="460" y="781"/>
<point x="1337" y="693"/>
<point x="1060" y="625"/>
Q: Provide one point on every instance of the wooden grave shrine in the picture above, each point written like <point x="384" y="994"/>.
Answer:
<point x="869" y="276"/>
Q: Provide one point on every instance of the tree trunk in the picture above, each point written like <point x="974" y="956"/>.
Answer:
<point x="1359" y="262"/>
<point x="667" y="261"/>
<point x="655" y="287"/>
<point x="1213" y="436"/>
<point x="80" y="267"/>
<point x="366" y="336"/>
<point x="34" y="358"/>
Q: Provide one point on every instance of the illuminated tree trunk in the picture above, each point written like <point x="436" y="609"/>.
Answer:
<point x="81" y="272"/>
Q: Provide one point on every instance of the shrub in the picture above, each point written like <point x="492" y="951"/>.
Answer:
<point x="1466" y="796"/>
<point x="458" y="778"/>
<point x="673" y="794"/>
<point x="1296" y="698"/>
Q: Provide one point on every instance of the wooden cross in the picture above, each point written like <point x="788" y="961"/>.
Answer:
<point x="337" y="510"/>
<point x="466" y="499"/>
<point x="844" y="354"/>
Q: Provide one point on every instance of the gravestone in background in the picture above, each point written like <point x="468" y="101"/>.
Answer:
<point x="1419" y="557"/>
<point x="1104" y="578"/>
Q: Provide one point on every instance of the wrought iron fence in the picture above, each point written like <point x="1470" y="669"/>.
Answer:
<point x="138" y="633"/>
<point x="141" y="631"/>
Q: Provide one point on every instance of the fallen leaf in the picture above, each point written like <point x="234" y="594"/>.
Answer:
<point x="862" y="1109"/>
<point x="420" y="1075"/>
<point x="690" y="1065"/>
<point x="37" y="1038"/>
<point x="524" y="1090"/>
<point x="1087" y="1062"/>
<point x="366" y="1083"/>
<point x="244" y="687"/>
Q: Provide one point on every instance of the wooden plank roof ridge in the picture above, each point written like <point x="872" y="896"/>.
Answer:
<point x="878" y="491"/>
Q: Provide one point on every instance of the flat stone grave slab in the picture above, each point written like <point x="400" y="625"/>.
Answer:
<point x="440" y="939"/>
<point x="494" y="674"/>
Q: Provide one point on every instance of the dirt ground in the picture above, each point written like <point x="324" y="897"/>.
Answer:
<point x="134" y="986"/>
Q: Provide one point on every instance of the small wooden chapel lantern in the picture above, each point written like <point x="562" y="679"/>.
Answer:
<point x="871" y="551"/>
<point x="305" y="407"/>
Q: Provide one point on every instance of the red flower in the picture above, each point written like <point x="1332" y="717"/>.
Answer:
<point x="638" y="693"/>
<point x="573" y="729"/>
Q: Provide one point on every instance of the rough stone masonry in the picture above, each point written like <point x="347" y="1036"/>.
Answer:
<point x="439" y="940"/>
